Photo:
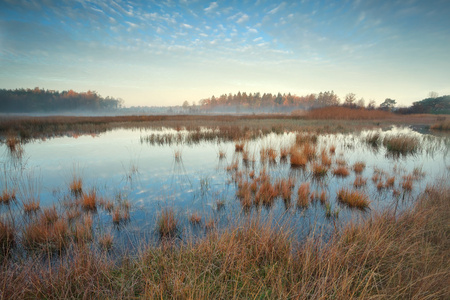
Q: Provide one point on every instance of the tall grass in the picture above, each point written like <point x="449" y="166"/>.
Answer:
<point x="400" y="257"/>
<point x="401" y="144"/>
<point x="167" y="224"/>
<point x="353" y="198"/>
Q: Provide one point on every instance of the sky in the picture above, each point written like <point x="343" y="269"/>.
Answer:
<point x="157" y="53"/>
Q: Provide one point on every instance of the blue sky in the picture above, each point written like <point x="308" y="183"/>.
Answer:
<point x="166" y="52"/>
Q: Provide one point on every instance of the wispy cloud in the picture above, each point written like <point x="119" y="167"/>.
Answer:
<point x="212" y="6"/>
<point x="243" y="18"/>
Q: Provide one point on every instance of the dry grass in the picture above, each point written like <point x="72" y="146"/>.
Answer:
<point x="401" y="144"/>
<point x="344" y="113"/>
<point x="7" y="197"/>
<point x="303" y="195"/>
<point x="298" y="159"/>
<point x="326" y="160"/>
<point x="31" y="206"/>
<point x="353" y="198"/>
<point x="318" y="170"/>
<point x="359" y="181"/>
<point x="76" y="186"/>
<point x="89" y="201"/>
<point x="7" y="238"/>
<point x="444" y="125"/>
<point x="195" y="219"/>
<point x="341" y="172"/>
<point x="401" y="257"/>
<point x="167" y="224"/>
<point x="239" y="146"/>
<point x="407" y="183"/>
<point x="106" y="241"/>
<point x="359" y="166"/>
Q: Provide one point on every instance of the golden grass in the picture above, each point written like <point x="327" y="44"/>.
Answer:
<point x="76" y="186"/>
<point x="341" y="171"/>
<point x="7" y="238"/>
<point x="326" y="160"/>
<point x="353" y="198"/>
<point x="318" y="170"/>
<point x="407" y="183"/>
<point x="444" y="125"/>
<point x="303" y="195"/>
<point x="401" y="144"/>
<point x="332" y="149"/>
<point x="106" y="241"/>
<point x="7" y="197"/>
<point x="195" y="219"/>
<point x="31" y="206"/>
<point x="298" y="159"/>
<point x="167" y="224"/>
<point x="89" y="200"/>
<point x="45" y="233"/>
<point x="359" y="181"/>
<point x="344" y="113"/>
<point x="398" y="257"/>
<point x="239" y="146"/>
<point x="359" y="166"/>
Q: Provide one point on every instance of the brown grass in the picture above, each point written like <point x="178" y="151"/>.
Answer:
<point x="76" y="186"/>
<point x="31" y="206"/>
<point x="326" y="160"/>
<point x="318" y="170"/>
<point x="341" y="172"/>
<point x="407" y="183"/>
<point x="303" y="195"/>
<point x="167" y="224"/>
<point x="353" y="198"/>
<point x="239" y="146"/>
<point x="359" y="181"/>
<point x="7" y="238"/>
<point x="444" y="126"/>
<point x="89" y="200"/>
<point x="359" y="166"/>
<point x="7" y="197"/>
<point x="195" y="219"/>
<point x="106" y="241"/>
<point x="401" y="144"/>
<point x="298" y="159"/>
<point x="344" y="113"/>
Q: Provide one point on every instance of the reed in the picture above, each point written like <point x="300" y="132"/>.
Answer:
<point x="326" y="160"/>
<point x="239" y="146"/>
<point x="7" y="238"/>
<point x="319" y="171"/>
<point x="353" y="198"/>
<point x="76" y="186"/>
<point x="323" y="197"/>
<point x="407" y="183"/>
<point x="7" y="197"/>
<point x="373" y="139"/>
<point x="341" y="172"/>
<point x="359" y="166"/>
<point x="106" y="241"/>
<point x="31" y="206"/>
<point x="195" y="218"/>
<point x="89" y="201"/>
<point x="359" y="181"/>
<point x="167" y="224"/>
<point x="444" y="125"/>
<point x="298" y="159"/>
<point x="303" y="195"/>
<point x="390" y="182"/>
<point x="401" y="144"/>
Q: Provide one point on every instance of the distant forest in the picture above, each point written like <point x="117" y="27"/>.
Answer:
<point x="40" y="100"/>
<point x="280" y="102"/>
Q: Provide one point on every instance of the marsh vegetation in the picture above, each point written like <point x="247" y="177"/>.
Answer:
<point x="278" y="208"/>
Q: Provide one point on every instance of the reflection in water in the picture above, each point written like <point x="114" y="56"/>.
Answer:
<point x="193" y="177"/>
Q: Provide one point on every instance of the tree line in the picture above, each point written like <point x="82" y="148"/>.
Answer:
<point x="41" y="100"/>
<point x="433" y="104"/>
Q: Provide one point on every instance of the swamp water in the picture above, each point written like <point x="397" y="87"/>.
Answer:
<point x="151" y="170"/>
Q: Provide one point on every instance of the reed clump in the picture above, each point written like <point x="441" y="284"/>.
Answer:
<point x="319" y="170"/>
<point x="359" y="166"/>
<point x="359" y="181"/>
<point x="401" y="144"/>
<point x="31" y="206"/>
<point x="76" y="186"/>
<point x="167" y="224"/>
<point x="303" y="195"/>
<point x="106" y="241"/>
<point x="353" y="198"/>
<point x="6" y="197"/>
<point x="7" y="238"/>
<point x="298" y="159"/>
<point x="444" y="125"/>
<point x="89" y="201"/>
<point x="195" y="219"/>
<point x="341" y="171"/>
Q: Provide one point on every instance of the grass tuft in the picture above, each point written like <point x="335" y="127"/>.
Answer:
<point x="353" y="198"/>
<point x="167" y="224"/>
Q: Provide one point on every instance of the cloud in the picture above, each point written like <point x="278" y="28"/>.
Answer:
<point x="186" y="26"/>
<point x="212" y="6"/>
<point x="258" y="39"/>
<point x="243" y="18"/>
<point x="252" y="30"/>
<point x="276" y="9"/>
